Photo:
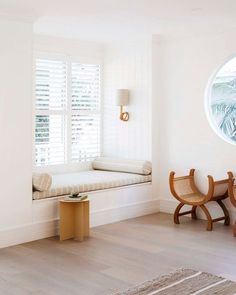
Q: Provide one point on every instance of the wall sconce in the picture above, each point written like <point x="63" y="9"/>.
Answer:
<point x="122" y="99"/>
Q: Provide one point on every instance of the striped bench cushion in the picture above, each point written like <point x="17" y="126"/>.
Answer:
<point x="86" y="181"/>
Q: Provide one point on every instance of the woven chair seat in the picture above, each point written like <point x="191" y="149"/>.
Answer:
<point x="193" y="198"/>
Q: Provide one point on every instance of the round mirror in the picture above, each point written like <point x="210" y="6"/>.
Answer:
<point x="221" y="101"/>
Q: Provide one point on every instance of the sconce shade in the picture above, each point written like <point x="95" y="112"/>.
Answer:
<point x="122" y="97"/>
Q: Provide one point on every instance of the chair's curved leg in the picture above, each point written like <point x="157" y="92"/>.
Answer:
<point x="226" y="212"/>
<point x="176" y="214"/>
<point x="208" y="216"/>
<point x="194" y="214"/>
<point x="234" y="229"/>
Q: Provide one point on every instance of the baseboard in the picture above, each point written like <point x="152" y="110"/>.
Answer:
<point x="27" y="233"/>
<point x="168" y="206"/>
<point x="125" y="212"/>
<point x="49" y="228"/>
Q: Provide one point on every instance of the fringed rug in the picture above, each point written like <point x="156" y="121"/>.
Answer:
<point x="184" y="282"/>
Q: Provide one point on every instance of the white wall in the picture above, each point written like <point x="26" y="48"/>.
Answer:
<point x="15" y="123"/>
<point x="185" y="139"/>
<point x="89" y="51"/>
<point x="128" y="65"/>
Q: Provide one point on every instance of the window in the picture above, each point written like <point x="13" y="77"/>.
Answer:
<point x="67" y="112"/>
<point x="221" y="101"/>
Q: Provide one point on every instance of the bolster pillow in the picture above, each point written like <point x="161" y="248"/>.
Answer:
<point x="122" y="165"/>
<point x="41" y="181"/>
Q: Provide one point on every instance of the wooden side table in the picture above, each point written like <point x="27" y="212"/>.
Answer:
<point x="74" y="220"/>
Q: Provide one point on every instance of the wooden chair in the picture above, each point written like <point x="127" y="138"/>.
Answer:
<point x="232" y="194"/>
<point x="186" y="192"/>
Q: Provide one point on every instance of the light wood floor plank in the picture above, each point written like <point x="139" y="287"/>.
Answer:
<point x="116" y="256"/>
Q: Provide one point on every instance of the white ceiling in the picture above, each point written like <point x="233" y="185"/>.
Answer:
<point x="103" y="20"/>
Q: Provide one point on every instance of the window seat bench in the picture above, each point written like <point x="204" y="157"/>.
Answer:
<point x="117" y="190"/>
<point x="88" y="181"/>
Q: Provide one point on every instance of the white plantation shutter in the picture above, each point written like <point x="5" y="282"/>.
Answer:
<point x="85" y="137"/>
<point x="67" y="112"/>
<point x="50" y="106"/>
<point x="50" y="85"/>
<point x="50" y="141"/>
<point x="85" y="87"/>
<point x="85" y="120"/>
